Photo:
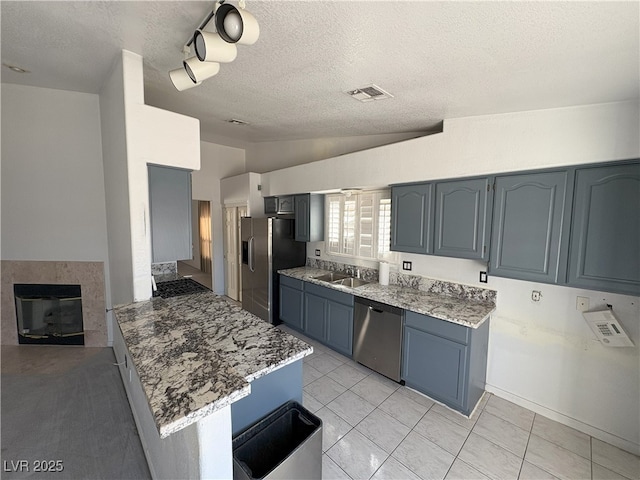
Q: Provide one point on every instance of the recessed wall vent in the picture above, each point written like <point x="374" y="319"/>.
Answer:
<point x="369" y="93"/>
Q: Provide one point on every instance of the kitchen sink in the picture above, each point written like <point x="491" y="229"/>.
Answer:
<point x="350" y="282"/>
<point x="331" y="277"/>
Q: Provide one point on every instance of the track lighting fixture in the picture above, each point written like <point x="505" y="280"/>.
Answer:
<point x="210" y="47"/>
<point x="236" y="25"/>
<point x="199" y="71"/>
<point x="181" y="79"/>
<point x="216" y="44"/>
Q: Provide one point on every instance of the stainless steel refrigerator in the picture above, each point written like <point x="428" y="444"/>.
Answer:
<point x="268" y="245"/>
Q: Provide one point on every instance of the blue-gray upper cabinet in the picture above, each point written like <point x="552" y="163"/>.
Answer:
<point x="462" y="218"/>
<point x="170" y="212"/>
<point x="411" y="218"/>
<point x="309" y="217"/>
<point x="605" y="229"/>
<point x="270" y="205"/>
<point x="528" y="226"/>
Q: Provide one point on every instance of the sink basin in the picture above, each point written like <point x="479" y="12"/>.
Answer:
<point x="331" y="277"/>
<point x="350" y="282"/>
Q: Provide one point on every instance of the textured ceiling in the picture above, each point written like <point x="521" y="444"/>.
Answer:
<point x="439" y="60"/>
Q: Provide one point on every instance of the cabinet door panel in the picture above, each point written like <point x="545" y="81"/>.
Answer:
<point x="435" y="365"/>
<point x="605" y="233"/>
<point x="314" y="316"/>
<point x="340" y="327"/>
<point x="291" y="306"/>
<point x="527" y="226"/>
<point x="302" y="217"/>
<point x="270" y="205"/>
<point x="462" y="210"/>
<point x="170" y="211"/>
<point x="411" y="207"/>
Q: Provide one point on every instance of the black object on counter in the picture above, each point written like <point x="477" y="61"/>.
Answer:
<point x="174" y="288"/>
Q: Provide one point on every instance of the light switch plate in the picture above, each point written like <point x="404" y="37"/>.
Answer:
<point x="406" y="266"/>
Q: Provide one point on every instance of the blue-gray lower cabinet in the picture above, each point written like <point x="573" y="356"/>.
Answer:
<point x="605" y="229"/>
<point x="445" y="361"/>
<point x="328" y="317"/>
<point x="292" y="302"/>
<point x="315" y="316"/>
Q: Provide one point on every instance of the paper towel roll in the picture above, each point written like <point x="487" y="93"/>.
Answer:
<point x="383" y="273"/>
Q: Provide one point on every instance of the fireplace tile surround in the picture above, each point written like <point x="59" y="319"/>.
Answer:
<point x="90" y="277"/>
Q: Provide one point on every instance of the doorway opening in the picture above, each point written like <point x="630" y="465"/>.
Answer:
<point x="200" y="267"/>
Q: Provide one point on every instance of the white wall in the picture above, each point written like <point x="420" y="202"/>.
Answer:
<point x="542" y="355"/>
<point x="477" y="145"/>
<point x="268" y="156"/>
<point x="243" y="189"/>
<point x="116" y="186"/>
<point x="53" y="205"/>
<point x="217" y="162"/>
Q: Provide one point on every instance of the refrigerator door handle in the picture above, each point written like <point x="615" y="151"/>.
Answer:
<point x="252" y="263"/>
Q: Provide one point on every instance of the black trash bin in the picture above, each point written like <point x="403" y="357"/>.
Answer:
<point x="285" y="444"/>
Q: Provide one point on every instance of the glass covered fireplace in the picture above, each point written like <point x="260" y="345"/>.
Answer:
<point x="49" y="314"/>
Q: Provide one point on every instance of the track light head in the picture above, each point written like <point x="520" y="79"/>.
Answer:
<point x="181" y="79"/>
<point x="199" y="71"/>
<point x="210" y="47"/>
<point x="236" y="25"/>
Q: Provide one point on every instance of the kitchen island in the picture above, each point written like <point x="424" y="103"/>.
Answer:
<point x="197" y="369"/>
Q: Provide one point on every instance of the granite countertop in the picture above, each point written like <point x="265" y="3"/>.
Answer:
<point x="197" y="353"/>
<point x="466" y="306"/>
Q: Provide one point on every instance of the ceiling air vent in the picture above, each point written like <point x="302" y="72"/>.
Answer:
<point x="369" y="93"/>
<point x="235" y="121"/>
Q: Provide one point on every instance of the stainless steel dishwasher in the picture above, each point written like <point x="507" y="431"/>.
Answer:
<point x="377" y="337"/>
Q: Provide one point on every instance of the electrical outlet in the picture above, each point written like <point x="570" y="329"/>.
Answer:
<point x="406" y="266"/>
<point x="317" y="252"/>
<point x="130" y="376"/>
<point x="582" y="304"/>
<point x="536" y="295"/>
<point x="483" y="277"/>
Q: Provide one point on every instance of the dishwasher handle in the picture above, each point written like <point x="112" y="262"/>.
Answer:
<point x="378" y="307"/>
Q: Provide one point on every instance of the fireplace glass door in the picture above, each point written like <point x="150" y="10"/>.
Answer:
<point x="49" y="314"/>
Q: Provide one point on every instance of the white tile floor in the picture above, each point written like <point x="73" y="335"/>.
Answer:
<point x="375" y="428"/>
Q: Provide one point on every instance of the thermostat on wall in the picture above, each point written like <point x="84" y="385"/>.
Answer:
<point x="607" y="328"/>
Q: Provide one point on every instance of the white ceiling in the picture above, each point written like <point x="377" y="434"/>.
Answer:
<point x="439" y="60"/>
